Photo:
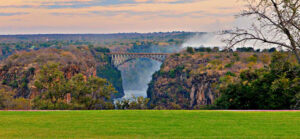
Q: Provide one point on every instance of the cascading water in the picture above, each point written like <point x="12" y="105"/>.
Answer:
<point x="136" y="75"/>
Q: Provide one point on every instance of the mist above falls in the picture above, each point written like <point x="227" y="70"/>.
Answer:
<point x="204" y="40"/>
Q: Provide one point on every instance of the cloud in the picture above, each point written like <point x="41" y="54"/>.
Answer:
<point x="59" y="4"/>
<point x="98" y="16"/>
<point x="13" y="14"/>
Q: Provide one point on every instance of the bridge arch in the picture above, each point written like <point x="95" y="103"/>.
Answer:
<point x="119" y="59"/>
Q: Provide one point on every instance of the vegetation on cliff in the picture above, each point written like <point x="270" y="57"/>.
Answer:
<point x="276" y="86"/>
<point x="80" y="92"/>
<point x="105" y="69"/>
<point x="227" y="80"/>
<point x="190" y="80"/>
<point x="21" y="72"/>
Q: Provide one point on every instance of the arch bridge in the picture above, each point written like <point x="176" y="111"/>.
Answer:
<point x="120" y="58"/>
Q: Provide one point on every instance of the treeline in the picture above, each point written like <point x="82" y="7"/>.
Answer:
<point x="7" y="49"/>
<point x="217" y="49"/>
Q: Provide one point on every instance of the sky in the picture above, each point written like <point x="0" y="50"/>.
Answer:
<point x="116" y="16"/>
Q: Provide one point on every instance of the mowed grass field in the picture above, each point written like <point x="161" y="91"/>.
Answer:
<point x="149" y="124"/>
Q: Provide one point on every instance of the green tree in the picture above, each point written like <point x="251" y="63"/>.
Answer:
<point x="101" y="91"/>
<point x="79" y="92"/>
<point x="53" y="87"/>
<point x="7" y="101"/>
<point x="190" y="50"/>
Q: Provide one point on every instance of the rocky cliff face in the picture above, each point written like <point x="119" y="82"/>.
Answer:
<point x="18" y="72"/>
<point x="190" y="81"/>
<point x="202" y="91"/>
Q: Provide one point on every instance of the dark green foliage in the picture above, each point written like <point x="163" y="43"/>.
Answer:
<point x="14" y="84"/>
<point x="190" y="50"/>
<point x="109" y="72"/>
<point x="229" y="65"/>
<point x="245" y="49"/>
<point x="172" y="73"/>
<point x="230" y="74"/>
<point x="113" y="75"/>
<point x="203" y="49"/>
<point x="271" y="50"/>
<point x="235" y="54"/>
<point x="275" y="87"/>
<point x="101" y="49"/>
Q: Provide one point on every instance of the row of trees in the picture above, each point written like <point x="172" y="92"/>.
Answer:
<point x="192" y="50"/>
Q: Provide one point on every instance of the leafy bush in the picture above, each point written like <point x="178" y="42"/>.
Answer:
<point x="229" y="65"/>
<point x="230" y="74"/>
<point x="135" y="103"/>
<point x="8" y="102"/>
<point x="190" y="50"/>
<point x="252" y="58"/>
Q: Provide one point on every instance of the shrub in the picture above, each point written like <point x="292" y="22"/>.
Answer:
<point x="230" y="74"/>
<point x="190" y="50"/>
<point x="229" y="65"/>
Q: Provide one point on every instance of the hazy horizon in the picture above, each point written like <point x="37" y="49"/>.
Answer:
<point x="109" y="33"/>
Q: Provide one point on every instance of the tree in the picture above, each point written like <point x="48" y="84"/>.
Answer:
<point x="52" y="85"/>
<point x="136" y="103"/>
<point x="79" y="92"/>
<point x="190" y="50"/>
<point x="101" y="91"/>
<point x="7" y="101"/>
<point x="277" y="23"/>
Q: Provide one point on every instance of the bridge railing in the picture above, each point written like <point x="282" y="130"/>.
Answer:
<point x="121" y="53"/>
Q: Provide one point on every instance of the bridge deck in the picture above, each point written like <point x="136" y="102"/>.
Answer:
<point x="118" y="53"/>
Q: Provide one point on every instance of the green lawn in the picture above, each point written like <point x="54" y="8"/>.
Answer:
<point x="149" y="124"/>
